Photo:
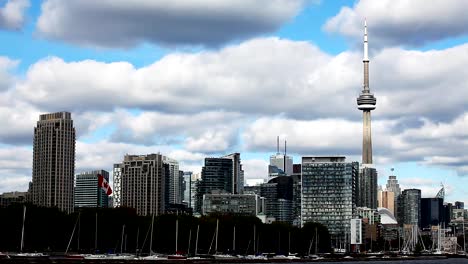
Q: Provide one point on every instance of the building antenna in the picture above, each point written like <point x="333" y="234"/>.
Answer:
<point x="277" y="145"/>
<point x="284" y="160"/>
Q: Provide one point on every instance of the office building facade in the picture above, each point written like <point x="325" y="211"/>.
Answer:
<point x="409" y="207"/>
<point x="216" y="175"/>
<point x="386" y="199"/>
<point x="432" y="212"/>
<point x="328" y="193"/>
<point x="53" y="171"/>
<point x="87" y="191"/>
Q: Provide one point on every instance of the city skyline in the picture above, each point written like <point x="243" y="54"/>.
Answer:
<point x="191" y="96"/>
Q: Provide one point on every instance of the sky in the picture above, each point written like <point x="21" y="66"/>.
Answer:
<point x="203" y="78"/>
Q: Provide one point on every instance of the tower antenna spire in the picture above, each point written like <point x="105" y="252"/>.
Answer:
<point x="277" y="145"/>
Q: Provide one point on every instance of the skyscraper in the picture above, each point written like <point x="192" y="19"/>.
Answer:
<point x="328" y="193"/>
<point x="87" y="191"/>
<point x="54" y="162"/>
<point x="142" y="183"/>
<point x="393" y="186"/>
<point x="368" y="174"/>
<point x="280" y="163"/>
<point x="237" y="173"/>
<point x="173" y="182"/>
<point x="409" y="207"/>
<point x="216" y="175"/>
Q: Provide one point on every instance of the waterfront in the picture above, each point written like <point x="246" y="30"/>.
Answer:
<point x="410" y="260"/>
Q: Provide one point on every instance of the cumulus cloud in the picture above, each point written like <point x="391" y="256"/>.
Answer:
<point x="206" y="131"/>
<point x="12" y="14"/>
<point x="264" y="76"/>
<point x="252" y="77"/>
<point x="401" y="22"/>
<point x="15" y="168"/>
<point x="255" y="168"/>
<point x="124" y="24"/>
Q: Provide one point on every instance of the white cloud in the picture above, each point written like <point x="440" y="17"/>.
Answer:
<point x="124" y="24"/>
<point x="205" y="131"/>
<point x="12" y="14"/>
<point x="255" y="168"/>
<point x="402" y="22"/>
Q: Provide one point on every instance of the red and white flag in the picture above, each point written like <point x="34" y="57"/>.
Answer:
<point x="102" y="182"/>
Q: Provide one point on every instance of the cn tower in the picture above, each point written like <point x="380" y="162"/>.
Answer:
<point x="367" y="182"/>
<point x="366" y="102"/>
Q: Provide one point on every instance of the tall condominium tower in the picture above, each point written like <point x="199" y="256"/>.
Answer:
<point x="173" y="183"/>
<point x="142" y="183"/>
<point x="328" y="193"/>
<point x="87" y="191"/>
<point x="368" y="175"/>
<point x="54" y="161"/>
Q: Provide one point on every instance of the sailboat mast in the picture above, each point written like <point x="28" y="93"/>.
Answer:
<point x="196" y="240"/>
<point x="176" y="234"/>
<point x="216" y="241"/>
<point x="289" y="242"/>
<point x="96" y="234"/>
<point x="255" y="247"/>
<point x="137" y="237"/>
<point x="189" y="240"/>
<point x="73" y="232"/>
<point x="316" y="240"/>
<point x="151" y="240"/>
<point x="122" y="239"/>
<point x="22" y="229"/>
<point x="234" y="240"/>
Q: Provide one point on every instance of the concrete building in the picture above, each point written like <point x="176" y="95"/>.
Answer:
<point x="9" y="198"/>
<point x="117" y="185"/>
<point x="328" y="193"/>
<point x="280" y="164"/>
<point x="53" y="170"/>
<point x="367" y="183"/>
<point x="142" y="181"/>
<point x="386" y="199"/>
<point x="279" y="197"/>
<point x="87" y="191"/>
<point x="221" y="202"/>
<point x="409" y="207"/>
<point x="187" y="188"/>
<point x="237" y="173"/>
<point x="172" y="181"/>
<point x="217" y="175"/>
<point x="393" y="186"/>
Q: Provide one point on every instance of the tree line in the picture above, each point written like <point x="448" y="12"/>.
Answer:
<point x="115" y="230"/>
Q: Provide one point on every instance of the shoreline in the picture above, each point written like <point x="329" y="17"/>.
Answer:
<point x="328" y="259"/>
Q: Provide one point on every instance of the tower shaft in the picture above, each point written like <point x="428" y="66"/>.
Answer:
<point x="367" y="138"/>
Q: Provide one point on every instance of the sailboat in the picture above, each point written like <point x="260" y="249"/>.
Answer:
<point x="218" y="255"/>
<point x="23" y="255"/>
<point x="177" y="254"/>
<point x="151" y="256"/>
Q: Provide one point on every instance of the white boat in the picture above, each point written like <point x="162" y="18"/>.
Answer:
<point x="96" y="256"/>
<point x="153" y="257"/>
<point x="224" y="256"/>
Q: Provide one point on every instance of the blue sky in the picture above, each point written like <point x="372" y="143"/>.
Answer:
<point x="197" y="80"/>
